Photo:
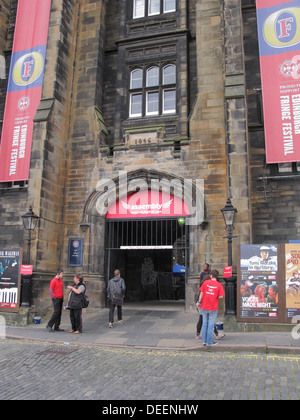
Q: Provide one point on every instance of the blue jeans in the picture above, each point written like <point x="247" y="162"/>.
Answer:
<point x="209" y="319"/>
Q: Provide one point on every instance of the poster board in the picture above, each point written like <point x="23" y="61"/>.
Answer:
<point x="292" y="279"/>
<point x="261" y="284"/>
<point x="10" y="263"/>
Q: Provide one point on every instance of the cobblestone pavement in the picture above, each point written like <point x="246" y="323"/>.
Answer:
<point x="50" y="371"/>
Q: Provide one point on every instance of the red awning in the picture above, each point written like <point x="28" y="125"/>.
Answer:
<point x="148" y="204"/>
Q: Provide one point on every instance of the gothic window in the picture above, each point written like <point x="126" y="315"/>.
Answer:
<point x="152" y="91"/>
<point x="143" y="8"/>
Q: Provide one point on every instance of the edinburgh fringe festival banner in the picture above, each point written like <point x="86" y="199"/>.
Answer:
<point x="278" y="23"/>
<point x="24" y="88"/>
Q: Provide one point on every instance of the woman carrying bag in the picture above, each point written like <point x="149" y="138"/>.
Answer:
<point x="75" y="303"/>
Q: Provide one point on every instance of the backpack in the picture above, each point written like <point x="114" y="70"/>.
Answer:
<point x="85" y="299"/>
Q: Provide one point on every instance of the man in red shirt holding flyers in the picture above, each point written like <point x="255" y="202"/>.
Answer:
<point x="56" y="292"/>
<point x="211" y="292"/>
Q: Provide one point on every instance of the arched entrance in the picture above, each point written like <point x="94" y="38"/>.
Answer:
<point x="106" y="231"/>
<point x="147" y="239"/>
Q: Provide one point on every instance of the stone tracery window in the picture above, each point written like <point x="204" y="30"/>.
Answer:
<point x="153" y="91"/>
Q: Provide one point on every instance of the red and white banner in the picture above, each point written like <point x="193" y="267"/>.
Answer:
<point x="146" y="204"/>
<point x="278" y="23"/>
<point x="24" y="88"/>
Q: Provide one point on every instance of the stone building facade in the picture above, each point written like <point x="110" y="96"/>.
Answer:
<point x="99" y="118"/>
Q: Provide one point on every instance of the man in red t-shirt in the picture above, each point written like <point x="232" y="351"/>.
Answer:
<point x="57" y="293"/>
<point x="211" y="292"/>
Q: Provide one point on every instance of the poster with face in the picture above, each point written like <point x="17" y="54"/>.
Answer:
<point x="292" y="279"/>
<point x="259" y="287"/>
<point x="9" y="278"/>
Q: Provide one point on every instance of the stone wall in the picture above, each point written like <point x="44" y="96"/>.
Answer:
<point x="74" y="147"/>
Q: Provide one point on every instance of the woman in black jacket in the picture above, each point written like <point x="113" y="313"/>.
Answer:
<point x="75" y="303"/>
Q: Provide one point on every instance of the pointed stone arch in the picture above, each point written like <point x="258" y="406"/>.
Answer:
<point x="125" y="183"/>
<point x="111" y="190"/>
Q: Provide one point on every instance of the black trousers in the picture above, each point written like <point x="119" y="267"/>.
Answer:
<point x="56" y="317"/>
<point x="76" y="319"/>
<point x="112" y="311"/>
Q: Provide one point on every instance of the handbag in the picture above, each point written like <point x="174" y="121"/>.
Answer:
<point x="114" y="299"/>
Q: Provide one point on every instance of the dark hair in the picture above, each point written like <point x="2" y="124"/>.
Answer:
<point x="215" y="274"/>
<point x="59" y="270"/>
<point x="206" y="277"/>
<point x="79" y="277"/>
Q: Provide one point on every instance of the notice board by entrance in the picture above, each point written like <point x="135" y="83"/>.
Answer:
<point x="75" y="252"/>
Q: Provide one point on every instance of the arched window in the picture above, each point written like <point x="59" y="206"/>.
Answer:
<point x="136" y="79"/>
<point x="152" y="77"/>
<point x="169" y="74"/>
<point x="152" y="91"/>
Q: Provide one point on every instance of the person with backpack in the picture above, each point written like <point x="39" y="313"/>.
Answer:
<point x="76" y="303"/>
<point x="115" y="294"/>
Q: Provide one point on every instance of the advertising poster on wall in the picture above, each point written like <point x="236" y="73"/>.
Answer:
<point x="259" y="283"/>
<point x="9" y="279"/>
<point x="292" y="279"/>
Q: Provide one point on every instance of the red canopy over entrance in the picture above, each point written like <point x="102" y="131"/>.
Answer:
<point x="144" y="204"/>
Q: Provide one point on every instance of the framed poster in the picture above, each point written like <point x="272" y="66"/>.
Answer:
<point x="75" y="252"/>
<point x="259" y="281"/>
<point x="10" y="279"/>
<point x="292" y="279"/>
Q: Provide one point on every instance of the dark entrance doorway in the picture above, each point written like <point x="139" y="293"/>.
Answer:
<point x="145" y="251"/>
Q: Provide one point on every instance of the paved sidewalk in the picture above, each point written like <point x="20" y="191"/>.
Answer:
<point x="159" y="327"/>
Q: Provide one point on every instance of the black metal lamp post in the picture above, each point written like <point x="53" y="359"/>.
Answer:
<point x="29" y="221"/>
<point x="228" y="213"/>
